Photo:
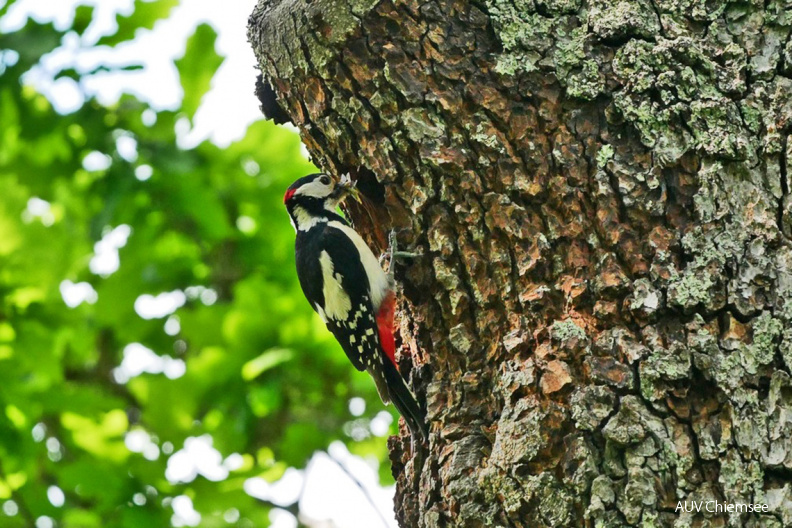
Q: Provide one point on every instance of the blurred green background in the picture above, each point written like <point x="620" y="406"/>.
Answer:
<point x="155" y="348"/>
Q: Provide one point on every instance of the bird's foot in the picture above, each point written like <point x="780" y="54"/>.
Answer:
<point x="393" y="254"/>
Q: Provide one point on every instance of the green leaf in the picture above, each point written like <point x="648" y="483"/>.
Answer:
<point x="81" y="519"/>
<point x="244" y="360"/>
<point x="265" y="399"/>
<point x="300" y="441"/>
<point x="33" y="41"/>
<point x="145" y="15"/>
<point x="101" y="439"/>
<point x="269" y="359"/>
<point x="197" y="67"/>
<point x="76" y="75"/>
<point x="83" y="16"/>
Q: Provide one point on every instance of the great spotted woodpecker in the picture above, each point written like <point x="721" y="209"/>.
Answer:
<point x="343" y="281"/>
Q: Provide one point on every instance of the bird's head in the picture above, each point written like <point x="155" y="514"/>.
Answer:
<point x="314" y="198"/>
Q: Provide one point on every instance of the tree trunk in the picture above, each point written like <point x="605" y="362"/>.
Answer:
<point x="601" y="321"/>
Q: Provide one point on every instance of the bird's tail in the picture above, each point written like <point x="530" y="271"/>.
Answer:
<point x="405" y="402"/>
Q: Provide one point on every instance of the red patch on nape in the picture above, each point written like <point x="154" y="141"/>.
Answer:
<point x="288" y="195"/>
<point x="385" y="326"/>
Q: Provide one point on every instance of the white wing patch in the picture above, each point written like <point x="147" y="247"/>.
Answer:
<point x="321" y="312"/>
<point x="337" y="303"/>
<point x="378" y="281"/>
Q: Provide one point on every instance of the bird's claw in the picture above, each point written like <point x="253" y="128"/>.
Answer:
<point x="393" y="252"/>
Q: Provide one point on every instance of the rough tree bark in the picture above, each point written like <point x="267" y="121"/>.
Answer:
<point x="601" y="323"/>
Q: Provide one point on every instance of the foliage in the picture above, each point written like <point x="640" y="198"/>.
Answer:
<point x="205" y="227"/>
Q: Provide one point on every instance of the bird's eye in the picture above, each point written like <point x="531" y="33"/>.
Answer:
<point x="325" y="180"/>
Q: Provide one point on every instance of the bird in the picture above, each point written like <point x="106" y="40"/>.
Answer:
<point x="345" y="284"/>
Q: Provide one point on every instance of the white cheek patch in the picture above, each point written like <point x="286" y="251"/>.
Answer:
<point x="337" y="303"/>
<point x="315" y="189"/>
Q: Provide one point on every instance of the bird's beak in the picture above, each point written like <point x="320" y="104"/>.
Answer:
<point x="346" y="187"/>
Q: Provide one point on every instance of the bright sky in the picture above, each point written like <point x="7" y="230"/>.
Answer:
<point x="227" y="109"/>
<point x="328" y="494"/>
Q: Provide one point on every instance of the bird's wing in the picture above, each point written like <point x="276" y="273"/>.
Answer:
<point x="346" y="304"/>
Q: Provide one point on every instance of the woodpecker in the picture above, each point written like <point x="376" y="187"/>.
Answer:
<point x="345" y="284"/>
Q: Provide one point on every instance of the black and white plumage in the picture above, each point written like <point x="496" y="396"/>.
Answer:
<point x="345" y="284"/>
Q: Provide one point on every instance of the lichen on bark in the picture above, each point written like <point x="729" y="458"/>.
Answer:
<point x="601" y="321"/>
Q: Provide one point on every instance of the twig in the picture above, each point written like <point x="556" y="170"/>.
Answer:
<point x="362" y="488"/>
